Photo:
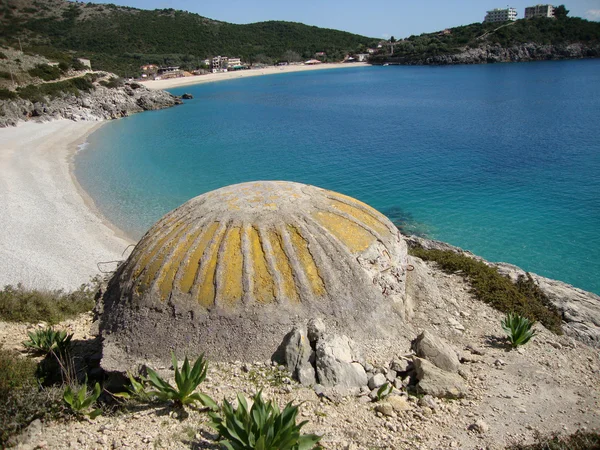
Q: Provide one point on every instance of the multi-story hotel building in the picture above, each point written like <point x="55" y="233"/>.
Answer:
<point x="501" y="15"/>
<point x="539" y="11"/>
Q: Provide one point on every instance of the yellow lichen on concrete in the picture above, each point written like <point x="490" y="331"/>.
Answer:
<point x="230" y="284"/>
<point x="150" y="246"/>
<point x="193" y="263"/>
<point x="161" y="250"/>
<point x="353" y="236"/>
<point x="359" y="214"/>
<point x="306" y="261"/>
<point x="206" y="278"/>
<point x="167" y="275"/>
<point x="264" y="289"/>
<point x="287" y="285"/>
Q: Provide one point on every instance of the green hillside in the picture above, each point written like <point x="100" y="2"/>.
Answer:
<point x="542" y="31"/>
<point x="120" y="39"/>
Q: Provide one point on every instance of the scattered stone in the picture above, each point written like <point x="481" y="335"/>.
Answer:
<point x="187" y="96"/>
<point x="429" y="402"/>
<point x="479" y="426"/>
<point x="437" y="382"/>
<point x="436" y="350"/>
<point x="455" y="324"/>
<point x="391" y="375"/>
<point x="398" y="403"/>
<point x="400" y="366"/>
<point x="385" y="408"/>
<point x="376" y="381"/>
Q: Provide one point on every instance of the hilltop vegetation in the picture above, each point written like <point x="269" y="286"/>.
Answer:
<point x="120" y="39"/>
<point x="540" y="31"/>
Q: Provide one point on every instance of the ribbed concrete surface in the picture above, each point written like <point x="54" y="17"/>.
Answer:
<point x="269" y="253"/>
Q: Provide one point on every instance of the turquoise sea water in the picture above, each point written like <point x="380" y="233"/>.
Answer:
<point x="503" y="160"/>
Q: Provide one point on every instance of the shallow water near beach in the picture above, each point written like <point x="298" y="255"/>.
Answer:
<point x="502" y="160"/>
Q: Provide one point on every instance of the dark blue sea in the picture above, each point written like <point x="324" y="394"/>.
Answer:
<point x="502" y="160"/>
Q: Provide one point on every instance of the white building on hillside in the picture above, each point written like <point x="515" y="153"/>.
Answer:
<point x="501" y="15"/>
<point x="539" y="11"/>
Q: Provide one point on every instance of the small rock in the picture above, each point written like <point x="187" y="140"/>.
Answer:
<point x="429" y="402"/>
<point x="479" y="426"/>
<point x="391" y="375"/>
<point x="315" y="330"/>
<point x="376" y="381"/>
<point x="385" y="409"/>
<point x="400" y="366"/>
<point x="398" y="403"/>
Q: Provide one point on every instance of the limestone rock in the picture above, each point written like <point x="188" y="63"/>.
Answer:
<point x="436" y="350"/>
<point x="437" y="382"/>
<point x="399" y="403"/>
<point x="297" y="356"/>
<point x="376" y="381"/>
<point x="385" y="408"/>
<point x="101" y="103"/>
<point x="337" y="363"/>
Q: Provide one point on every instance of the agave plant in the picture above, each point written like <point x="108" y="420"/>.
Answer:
<point x="262" y="426"/>
<point x="186" y="380"/>
<point x="48" y="340"/>
<point x="81" y="402"/>
<point x="518" y="329"/>
<point x="136" y="391"/>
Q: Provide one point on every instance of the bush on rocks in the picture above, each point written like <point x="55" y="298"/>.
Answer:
<point x="18" y="304"/>
<point x="489" y="286"/>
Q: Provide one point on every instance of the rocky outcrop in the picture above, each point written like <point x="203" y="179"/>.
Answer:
<point x="496" y="53"/>
<point x="102" y="103"/>
<point x="580" y="309"/>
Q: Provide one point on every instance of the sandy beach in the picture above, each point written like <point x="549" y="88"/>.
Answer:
<point x="212" y="77"/>
<point x="51" y="236"/>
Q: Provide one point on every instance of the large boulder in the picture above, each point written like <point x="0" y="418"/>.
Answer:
<point x="339" y="363"/>
<point x="437" y="382"/>
<point x="436" y="350"/>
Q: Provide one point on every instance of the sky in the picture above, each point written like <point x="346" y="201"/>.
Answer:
<point x="378" y="19"/>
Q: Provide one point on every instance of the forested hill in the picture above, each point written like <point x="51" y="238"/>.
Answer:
<point x="120" y="39"/>
<point x="523" y="40"/>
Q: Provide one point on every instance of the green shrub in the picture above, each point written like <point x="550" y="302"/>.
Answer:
<point x="48" y="340"/>
<point x="81" y="402"/>
<point x="580" y="440"/>
<point x="187" y="380"/>
<point x="18" y="304"/>
<point x="22" y="400"/>
<point x="263" y="426"/>
<point x="518" y="329"/>
<point x="112" y="83"/>
<point x="5" y="94"/>
<point x="523" y="297"/>
<point x="45" y="72"/>
<point x="3" y="55"/>
<point x="5" y="75"/>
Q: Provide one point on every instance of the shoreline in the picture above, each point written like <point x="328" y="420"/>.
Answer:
<point x="53" y="235"/>
<point x="172" y="83"/>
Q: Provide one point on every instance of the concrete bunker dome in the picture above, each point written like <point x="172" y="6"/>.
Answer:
<point x="230" y="272"/>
